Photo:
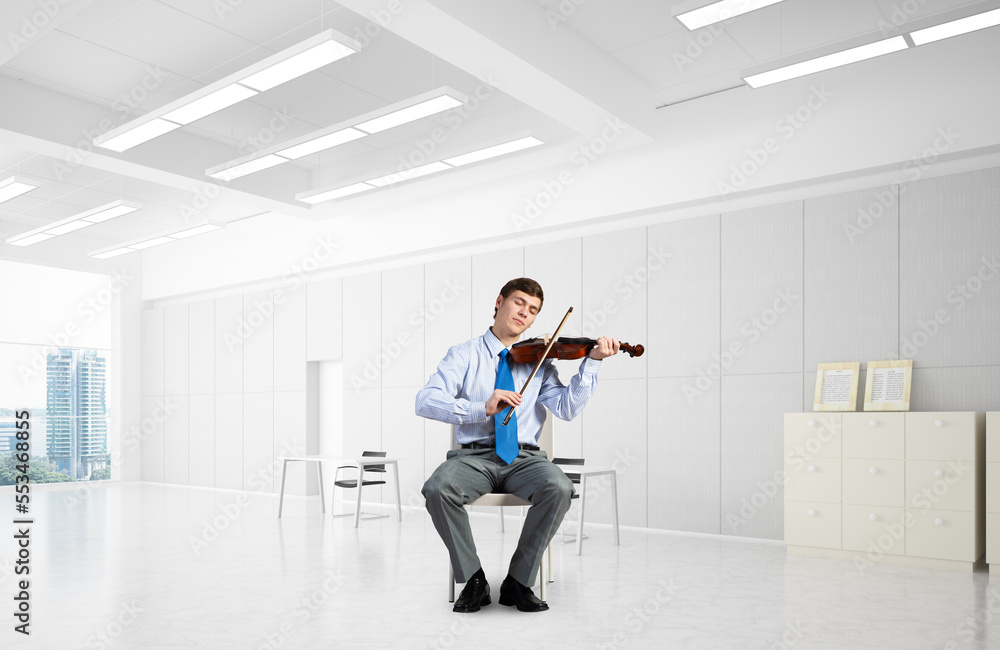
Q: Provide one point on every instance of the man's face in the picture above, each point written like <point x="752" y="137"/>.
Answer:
<point x="517" y="312"/>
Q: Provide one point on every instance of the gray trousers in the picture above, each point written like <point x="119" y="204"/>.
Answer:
<point x="468" y="474"/>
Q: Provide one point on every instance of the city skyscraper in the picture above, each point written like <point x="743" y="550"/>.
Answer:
<point x="77" y="411"/>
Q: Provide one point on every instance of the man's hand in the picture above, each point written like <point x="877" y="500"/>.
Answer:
<point x="501" y="400"/>
<point x="606" y="347"/>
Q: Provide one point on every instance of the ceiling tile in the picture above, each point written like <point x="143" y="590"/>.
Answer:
<point x="97" y="16"/>
<point x="614" y="25"/>
<point x="253" y="20"/>
<point x="669" y="60"/>
<point x="341" y="103"/>
<point x="42" y="51"/>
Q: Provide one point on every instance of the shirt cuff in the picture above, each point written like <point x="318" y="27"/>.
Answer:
<point x="591" y="366"/>
<point x="478" y="411"/>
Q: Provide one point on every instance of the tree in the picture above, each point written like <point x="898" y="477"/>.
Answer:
<point x="103" y="474"/>
<point x="40" y="470"/>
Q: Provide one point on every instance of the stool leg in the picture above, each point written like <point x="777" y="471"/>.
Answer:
<point x="322" y="496"/>
<point x="451" y="583"/>
<point x="357" y="510"/>
<point x="399" y="505"/>
<point x="614" y="504"/>
<point x="281" y="492"/>
<point x="583" y="502"/>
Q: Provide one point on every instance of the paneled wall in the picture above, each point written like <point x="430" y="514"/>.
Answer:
<point x="735" y="311"/>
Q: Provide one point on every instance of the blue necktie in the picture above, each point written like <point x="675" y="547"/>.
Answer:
<point x="506" y="436"/>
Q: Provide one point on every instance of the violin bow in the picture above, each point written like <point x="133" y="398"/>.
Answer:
<point x="538" y="365"/>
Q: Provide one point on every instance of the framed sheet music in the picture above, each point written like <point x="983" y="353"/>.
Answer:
<point x="888" y="385"/>
<point x="837" y="386"/>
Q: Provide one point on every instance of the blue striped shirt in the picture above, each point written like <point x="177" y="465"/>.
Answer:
<point x="457" y="392"/>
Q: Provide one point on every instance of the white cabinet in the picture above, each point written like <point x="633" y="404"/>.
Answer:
<point x="993" y="490"/>
<point x="905" y="487"/>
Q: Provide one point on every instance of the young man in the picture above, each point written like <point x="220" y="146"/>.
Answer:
<point x="473" y="387"/>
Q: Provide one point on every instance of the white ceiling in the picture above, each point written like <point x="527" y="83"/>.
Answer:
<point x="558" y="65"/>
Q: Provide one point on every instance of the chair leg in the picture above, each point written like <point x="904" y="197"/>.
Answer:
<point x="281" y="492"/>
<point x="542" y="577"/>
<point x="322" y="496"/>
<point x="501" y="519"/>
<point x="583" y="503"/>
<point x="451" y="583"/>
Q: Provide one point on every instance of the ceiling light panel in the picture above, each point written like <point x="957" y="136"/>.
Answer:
<point x="13" y="187"/>
<point x="717" y="11"/>
<point x="321" y="143"/>
<point x="29" y="240"/>
<point x="827" y="62"/>
<point x="113" y="253"/>
<point x="210" y="103"/>
<point x="492" y="152"/>
<point x="249" y="167"/>
<point x="68" y="227"/>
<point x="410" y="114"/>
<point x="956" y="27"/>
<point x="312" y="59"/>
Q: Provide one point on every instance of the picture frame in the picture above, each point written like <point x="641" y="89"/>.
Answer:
<point x="888" y="385"/>
<point x="837" y="386"/>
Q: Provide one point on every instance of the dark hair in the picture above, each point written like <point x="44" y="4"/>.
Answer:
<point x="527" y="285"/>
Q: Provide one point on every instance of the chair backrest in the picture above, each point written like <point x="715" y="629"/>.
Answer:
<point x="544" y="440"/>
<point x="374" y="454"/>
<point x="573" y="476"/>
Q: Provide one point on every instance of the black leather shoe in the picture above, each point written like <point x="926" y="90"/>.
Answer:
<point x="514" y="593"/>
<point x="475" y="595"/>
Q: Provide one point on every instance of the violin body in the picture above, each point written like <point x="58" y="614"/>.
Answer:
<point x="530" y="350"/>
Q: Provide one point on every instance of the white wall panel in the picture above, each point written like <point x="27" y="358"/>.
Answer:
<point x="362" y="331"/>
<point x="152" y="439"/>
<point x="975" y="388"/>
<point x="438" y="439"/>
<point x="229" y="441"/>
<point x="762" y="289"/>
<point x="175" y="346"/>
<point x="683" y="297"/>
<point x="851" y="277"/>
<point x="228" y="345"/>
<point x="949" y="247"/>
<point x="324" y="320"/>
<point x="490" y="271"/>
<point x="176" y="445"/>
<point x="290" y="440"/>
<point x="258" y="442"/>
<point x="448" y="324"/>
<point x="362" y="420"/>
<point x="258" y="341"/>
<point x="558" y="267"/>
<point x="614" y="434"/>
<point x="201" y="347"/>
<point x="290" y="340"/>
<point x="684" y="449"/>
<point x="615" y="284"/>
<point x="403" y="437"/>
<point x="404" y="308"/>
<point x="752" y="452"/>
<point x="152" y="352"/>
<point x="201" y="440"/>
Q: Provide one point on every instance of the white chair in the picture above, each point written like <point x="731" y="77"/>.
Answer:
<point x="578" y="472"/>
<point x="360" y="482"/>
<point x="497" y="499"/>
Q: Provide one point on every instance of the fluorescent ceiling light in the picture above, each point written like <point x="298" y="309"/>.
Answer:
<point x="323" y="142"/>
<point x="13" y="187"/>
<point x="956" y="27"/>
<point x="497" y="150"/>
<point x="249" y="167"/>
<point x="408" y="110"/>
<point x="312" y="59"/>
<point x="409" y="114"/>
<point x="337" y="193"/>
<point x="319" y="196"/>
<point x="717" y="12"/>
<point x="155" y="241"/>
<point x="109" y="211"/>
<point x="197" y="230"/>
<point x="29" y="240"/>
<point x="844" y="57"/>
<point x="68" y="227"/>
<point x="113" y="253"/>
<point x="276" y="69"/>
<point x="137" y="135"/>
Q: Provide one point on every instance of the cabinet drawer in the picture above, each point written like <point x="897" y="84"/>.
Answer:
<point x="812" y="434"/>
<point x="993" y="538"/>
<point x="942" y="534"/>
<point x="940" y="485"/>
<point x="993" y="437"/>
<point x="873" y="435"/>
<point x="874" y="529"/>
<point x="812" y="524"/>
<point x="992" y="487"/>
<point x="817" y="479"/>
<point x="941" y="436"/>
<point x="873" y="482"/>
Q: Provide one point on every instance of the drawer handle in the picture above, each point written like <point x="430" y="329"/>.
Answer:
<point x="939" y="473"/>
<point x="812" y="423"/>
<point x="873" y="470"/>
<point x="939" y="423"/>
<point x="873" y="517"/>
<point x="812" y="468"/>
<point x="812" y="513"/>
<point x="939" y="522"/>
<point x="872" y="423"/>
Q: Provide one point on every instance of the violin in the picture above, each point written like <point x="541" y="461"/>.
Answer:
<point x="530" y="350"/>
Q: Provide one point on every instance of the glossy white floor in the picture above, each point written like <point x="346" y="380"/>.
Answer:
<point x="153" y="566"/>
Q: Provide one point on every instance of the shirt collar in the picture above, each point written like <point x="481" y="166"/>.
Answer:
<point x="493" y="344"/>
